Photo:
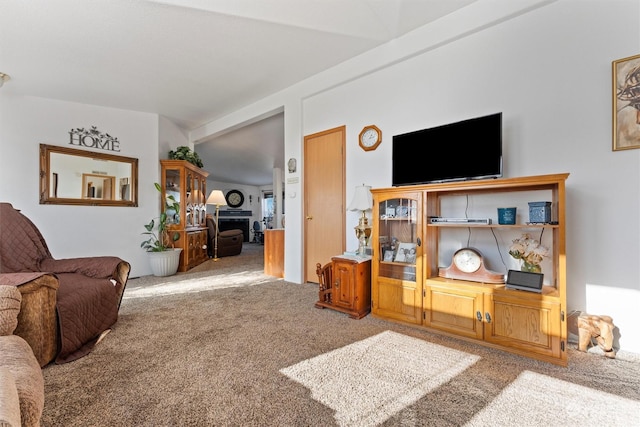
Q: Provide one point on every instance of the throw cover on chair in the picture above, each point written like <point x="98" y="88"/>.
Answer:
<point x="88" y="298"/>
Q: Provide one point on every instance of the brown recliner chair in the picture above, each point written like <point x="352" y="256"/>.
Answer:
<point x="67" y="304"/>
<point x="229" y="241"/>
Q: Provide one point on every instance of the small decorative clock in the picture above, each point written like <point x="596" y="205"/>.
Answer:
<point x="468" y="264"/>
<point x="235" y="198"/>
<point x="370" y="137"/>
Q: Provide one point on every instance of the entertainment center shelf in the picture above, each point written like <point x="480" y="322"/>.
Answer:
<point x="519" y="226"/>
<point x="409" y="251"/>
<point x="546" y="290"/>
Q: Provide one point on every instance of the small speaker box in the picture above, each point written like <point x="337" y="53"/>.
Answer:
<point x="524" y="281"/>
<point x="540" y="212"/>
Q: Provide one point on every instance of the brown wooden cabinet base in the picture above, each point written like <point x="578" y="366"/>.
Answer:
<point x="351" y="313"/>
<point x="349" y="288"/>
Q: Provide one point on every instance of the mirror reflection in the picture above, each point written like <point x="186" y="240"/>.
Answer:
<point x="74" y="177"/>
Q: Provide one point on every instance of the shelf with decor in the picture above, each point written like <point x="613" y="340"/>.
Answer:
<point x="188" y="184"/>
<point x="453" y="287"/>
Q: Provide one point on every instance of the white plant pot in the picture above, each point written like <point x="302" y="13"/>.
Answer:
<point x="164" y="263"/>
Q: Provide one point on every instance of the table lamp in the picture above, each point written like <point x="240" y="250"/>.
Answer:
<point x="362" y="201"/>
<point x="216" y="198"/>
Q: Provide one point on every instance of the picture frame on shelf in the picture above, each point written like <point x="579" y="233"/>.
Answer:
<point x="406" y="253"/>
<point x="626" y="113"/>
<point x="388" y="255"/>
<point x="390" y="212"/>
<point x="402" y="212"/>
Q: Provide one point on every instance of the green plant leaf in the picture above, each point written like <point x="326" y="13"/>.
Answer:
<point x="157" y="239"/>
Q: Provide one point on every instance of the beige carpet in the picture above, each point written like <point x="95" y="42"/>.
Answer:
<point x="383" y="375"/>
<point x="225" y="345"/>
<point x="522" y="401"/>
<point x="378" y="376"/>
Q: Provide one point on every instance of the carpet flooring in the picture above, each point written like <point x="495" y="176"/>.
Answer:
<point x="226" y="345"/>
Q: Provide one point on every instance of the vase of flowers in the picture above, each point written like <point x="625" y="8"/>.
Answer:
<point x="530" y="252"/>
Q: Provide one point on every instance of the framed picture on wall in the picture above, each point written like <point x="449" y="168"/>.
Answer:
<point x="626" y="103"/>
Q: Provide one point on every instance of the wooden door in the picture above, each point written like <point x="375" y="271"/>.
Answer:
<point x="324" y="199"/>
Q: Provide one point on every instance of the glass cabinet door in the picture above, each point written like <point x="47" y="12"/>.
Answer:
<point x="396" y="285"/>
<point x="399" y="243"/>
<point x="190" y="211"/>
<point x="172" y="187"/>
<point x="199" y="206"/>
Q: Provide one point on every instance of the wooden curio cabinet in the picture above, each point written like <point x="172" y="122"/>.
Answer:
<point x="527" y="323"/>
<point x="188" y="184"/>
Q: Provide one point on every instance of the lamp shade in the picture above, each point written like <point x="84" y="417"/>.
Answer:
<point x="217" y="198"/>
<point x="362" y="200"/>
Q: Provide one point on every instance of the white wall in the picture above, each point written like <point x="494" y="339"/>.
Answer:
<point x="76" y="231"/>
<point x="547" y="67"/>
<point x="171" y="137"/>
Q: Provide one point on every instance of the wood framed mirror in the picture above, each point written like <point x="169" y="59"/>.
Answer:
<point x="74" y="177"/>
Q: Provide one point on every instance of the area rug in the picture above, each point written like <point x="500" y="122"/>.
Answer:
<point x="369" y="381"/>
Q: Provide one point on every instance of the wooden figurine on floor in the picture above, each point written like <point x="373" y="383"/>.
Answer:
<point x="598" y="327"/>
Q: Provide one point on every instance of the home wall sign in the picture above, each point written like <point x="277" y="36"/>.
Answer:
<point x="93" y="138"/>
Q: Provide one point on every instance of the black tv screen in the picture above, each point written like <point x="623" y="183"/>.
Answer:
<point x="469" y="149"/>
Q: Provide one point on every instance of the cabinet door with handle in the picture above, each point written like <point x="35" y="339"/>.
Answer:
<point x="397" y="248"/>
<point x="344" y="292"/>
<point x="532" y="324"/>
<point x="455" y="310"/>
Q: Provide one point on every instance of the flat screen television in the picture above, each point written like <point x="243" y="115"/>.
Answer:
<point x="465" y="150"/>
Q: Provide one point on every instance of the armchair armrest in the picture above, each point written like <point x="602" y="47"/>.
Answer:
<point x="37" y="321"/>
<point x="96" y="267"/>
<point x="122" y="275"/>
<point x="106" y="267"/>
<point x="9" y="401"/>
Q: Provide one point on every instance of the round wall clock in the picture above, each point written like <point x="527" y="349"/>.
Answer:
<point x="467" y="264"/>
<point x="370" y="137"/>
<point x="235" y="198"/>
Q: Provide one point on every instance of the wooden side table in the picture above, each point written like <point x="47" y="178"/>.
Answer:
<point x="350" y="288"/>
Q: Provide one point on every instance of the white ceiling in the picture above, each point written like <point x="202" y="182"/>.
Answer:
<point x="193" y="61"/>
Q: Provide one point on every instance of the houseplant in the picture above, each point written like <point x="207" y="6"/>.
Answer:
<point x="163" y="257"/>
<point x="185" y="153"/>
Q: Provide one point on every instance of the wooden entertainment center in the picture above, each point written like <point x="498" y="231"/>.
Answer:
<point x="405" y="282"/>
